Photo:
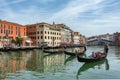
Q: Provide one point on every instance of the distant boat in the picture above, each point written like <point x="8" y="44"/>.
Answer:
<point x="75" y="53"/>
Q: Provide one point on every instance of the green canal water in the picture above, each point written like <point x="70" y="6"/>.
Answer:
<point x="36" y="65"/>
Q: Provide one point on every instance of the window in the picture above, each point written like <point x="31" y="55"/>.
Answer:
<point x="38" y="32"/>
<point x="45" y="32"/>
<point x="41" y="37"/>
<point x="4" y="26"/>
<point x="9" y="27"/>
<point x="4" y="31"/>
<point x="12" y="27"/>
<point x="45" y="37"/>
<point x="41" y="32"/>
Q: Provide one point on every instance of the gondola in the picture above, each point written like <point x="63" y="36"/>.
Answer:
<point x="75" y="53"/>
<point x="91" y="59"/>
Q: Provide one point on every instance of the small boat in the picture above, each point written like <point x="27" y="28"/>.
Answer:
<point x="91" y="59"/>
<point x="75" y="53"/>
<point x="53" y="51"/>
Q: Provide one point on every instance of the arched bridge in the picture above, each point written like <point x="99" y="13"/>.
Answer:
<point x="99" y="42"/>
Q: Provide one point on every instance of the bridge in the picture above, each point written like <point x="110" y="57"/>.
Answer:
<point x="99" y="42"/>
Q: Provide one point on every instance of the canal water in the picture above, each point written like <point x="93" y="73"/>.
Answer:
<point x="36" y="65"/>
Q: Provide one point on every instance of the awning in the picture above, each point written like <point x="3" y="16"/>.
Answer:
<point x="64" y="43"/>
<point x="28" y="41"/>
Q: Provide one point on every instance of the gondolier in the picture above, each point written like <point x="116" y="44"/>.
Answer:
<point x="106" y="48"/>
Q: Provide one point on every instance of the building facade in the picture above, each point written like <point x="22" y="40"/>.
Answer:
<point x="66" y="33"/>
<point x="42" y="32"/>
<point x="117" y="38"/>
<point x="10" y="31"/>
<point x="31" y="33"/>
<point x="76" y="37"/>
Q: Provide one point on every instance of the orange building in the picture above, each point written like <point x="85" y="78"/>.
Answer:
<point x="10" y="30"/>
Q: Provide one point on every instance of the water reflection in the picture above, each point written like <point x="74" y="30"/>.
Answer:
<point x="53" y="63"/>
<point x="117" y="51"/>
<point x="10" y="62"/>
<point x="70" y="58"/>
<point x="36" y="65"/>
<point x="35" y="61"/>
<point x="94" y="65"/>
<point x="13" y="62"/>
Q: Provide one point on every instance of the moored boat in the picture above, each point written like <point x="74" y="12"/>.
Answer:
<point x="75" y="53"/>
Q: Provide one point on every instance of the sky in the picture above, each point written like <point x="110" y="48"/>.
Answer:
<point x="89" y="17"/>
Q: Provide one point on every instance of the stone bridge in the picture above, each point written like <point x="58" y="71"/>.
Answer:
<point x="99" y="42"/>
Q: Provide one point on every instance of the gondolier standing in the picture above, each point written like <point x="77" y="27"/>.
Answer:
<point x="106" y="48"/>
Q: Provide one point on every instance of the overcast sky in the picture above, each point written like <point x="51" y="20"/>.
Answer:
<point x="89" y="17"/>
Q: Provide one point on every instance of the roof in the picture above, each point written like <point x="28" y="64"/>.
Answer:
<point x="12" y="23"/>
<point x="41" y="23"/>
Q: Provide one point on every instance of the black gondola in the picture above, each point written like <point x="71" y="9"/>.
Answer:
<point x="75" y="53"/>
<point x="91" y="59"/>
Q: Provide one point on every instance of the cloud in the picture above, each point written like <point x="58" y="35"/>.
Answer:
<point x="46" y="1"/>
<point x="74" y="8"/>
<point x="7" y="3"/>
<point x="89" y="17"/>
